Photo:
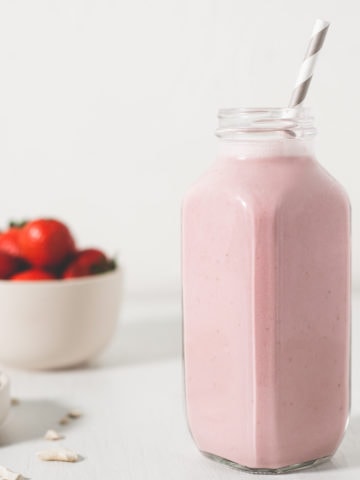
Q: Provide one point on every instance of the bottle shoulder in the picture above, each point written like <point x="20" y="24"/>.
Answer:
<point x="267" y="181"/>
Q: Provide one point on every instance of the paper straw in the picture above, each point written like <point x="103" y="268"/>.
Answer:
<point x="307" y="68"/>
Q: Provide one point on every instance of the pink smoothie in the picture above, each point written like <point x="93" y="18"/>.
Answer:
<point x="266" y="273"/>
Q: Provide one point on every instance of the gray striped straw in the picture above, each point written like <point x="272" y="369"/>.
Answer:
<point x="307" y="68"/>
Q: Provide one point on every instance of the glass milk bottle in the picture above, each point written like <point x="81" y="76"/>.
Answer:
<point x="266" y="297"/>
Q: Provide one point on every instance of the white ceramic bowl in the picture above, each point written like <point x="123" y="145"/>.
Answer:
<point x="4" y="396"/>
<point x="57" y="323"/>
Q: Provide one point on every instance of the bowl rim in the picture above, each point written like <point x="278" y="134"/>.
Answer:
<point x="58" y="282"/>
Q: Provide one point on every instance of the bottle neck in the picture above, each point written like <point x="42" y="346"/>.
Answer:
<point x="265" y="132"/>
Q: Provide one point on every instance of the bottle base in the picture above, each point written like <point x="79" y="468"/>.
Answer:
<point x="269" y="471"/>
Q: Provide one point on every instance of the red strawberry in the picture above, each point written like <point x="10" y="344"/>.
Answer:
<point x="88" y="262"/>
<point x="33" y="274"/>
<point x="46" y="242"/>
<point x="8" y="265"/>
<point x="9" y="240"/>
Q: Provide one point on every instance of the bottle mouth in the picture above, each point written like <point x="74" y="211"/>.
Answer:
<point x="240" y="123"/>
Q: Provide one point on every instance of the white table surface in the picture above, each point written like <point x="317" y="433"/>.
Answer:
<point x="133" y="424"/>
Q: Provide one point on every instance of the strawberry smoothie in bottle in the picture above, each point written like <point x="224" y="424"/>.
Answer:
<point x="266" y="297"/>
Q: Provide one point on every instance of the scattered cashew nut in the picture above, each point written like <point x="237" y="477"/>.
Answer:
<point x="6" y="474"/>
<point x="53" y="435"/>
<point x="59" y="455"/>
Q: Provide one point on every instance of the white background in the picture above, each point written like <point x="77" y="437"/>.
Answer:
<point x="107" y="110"/>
